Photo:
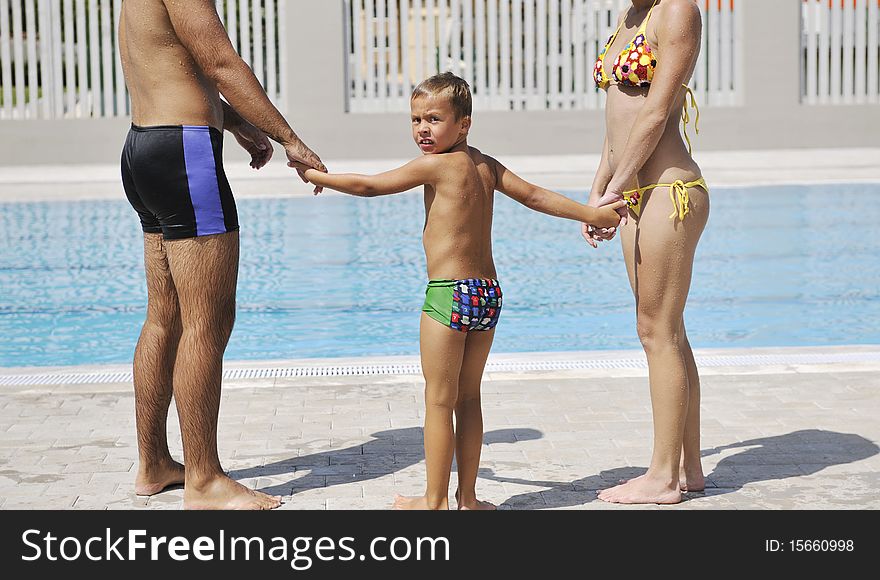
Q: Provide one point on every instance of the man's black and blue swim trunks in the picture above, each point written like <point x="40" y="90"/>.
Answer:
<point x="173" y="177"/>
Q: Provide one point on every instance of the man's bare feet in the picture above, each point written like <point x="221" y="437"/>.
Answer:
<point x="473" y="504"/>
<point x="153" y="480"/>
<point x="642" y="489"/>
<point x="418" y="503"/>
<point x="222" y="493"/>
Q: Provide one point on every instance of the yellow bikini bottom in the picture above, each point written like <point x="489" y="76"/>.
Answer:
<point x="678" y="193"/>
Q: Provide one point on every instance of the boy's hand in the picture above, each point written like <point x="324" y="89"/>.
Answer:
<point x="609" y="215"/>
<point x="254" y="142"/>
<point x="613" y="198"/>
<point x="303" y="170"/>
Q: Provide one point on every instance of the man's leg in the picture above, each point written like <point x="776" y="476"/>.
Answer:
<point x="205" y="272"/>
<point x="153" y="368"/>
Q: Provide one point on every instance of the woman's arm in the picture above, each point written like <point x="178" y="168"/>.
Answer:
<point x="420" y="171"/>
<point x="678" y="32"/>
<point x="603" y="176"/>
<point x="550" y="202"/>
<point x="592" y="234"/>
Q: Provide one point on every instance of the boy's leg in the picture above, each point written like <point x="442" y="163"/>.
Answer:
<point x="442" y="351"/>
<point x="153" y="367"/>
<point x="469" y="418"/>
<point x="205" y="272"/>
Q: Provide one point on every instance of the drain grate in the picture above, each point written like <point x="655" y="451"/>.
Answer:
<point x="508" y="366"/>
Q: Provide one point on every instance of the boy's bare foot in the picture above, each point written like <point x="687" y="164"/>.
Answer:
<point x="642" y="489"/>
<point x="157" y="479"/>
<point x="417" y="503"/>
<point x="473" y="504"/>
<point x="222" y="493"/>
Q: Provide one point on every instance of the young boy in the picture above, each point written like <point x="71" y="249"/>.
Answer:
<point x="463" y="298"/>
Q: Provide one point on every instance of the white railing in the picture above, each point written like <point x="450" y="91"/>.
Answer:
<point x="59" y="59"/>
<point x="841" y="45"/>
<point x="516" y="54"/>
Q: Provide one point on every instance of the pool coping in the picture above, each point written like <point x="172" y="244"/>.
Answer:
<point x="586" y="364"/>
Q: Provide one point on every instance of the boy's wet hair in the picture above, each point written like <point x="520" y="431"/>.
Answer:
<point x="450" y="86"/>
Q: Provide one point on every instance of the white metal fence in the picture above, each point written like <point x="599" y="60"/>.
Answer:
<point x="841" y="45"/>
<point x="58" y="58"/>
<point x="516" y="54"/>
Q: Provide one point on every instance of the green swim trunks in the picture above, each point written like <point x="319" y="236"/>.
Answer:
<point x="465" y="305"/>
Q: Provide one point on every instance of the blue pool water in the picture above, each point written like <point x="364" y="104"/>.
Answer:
<point x="336" y="276"/>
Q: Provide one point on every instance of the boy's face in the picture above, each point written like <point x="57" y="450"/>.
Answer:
<point x="434" y="126"/>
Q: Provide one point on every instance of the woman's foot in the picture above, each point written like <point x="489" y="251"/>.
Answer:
<point x="418" y="503"/>
<point x="691" y="479"/>
<point x="694" y="481"/>
<point x="473" y="504"/>
<point x="222" y="493"/>
<point x="150" y="481"/>
<point x="643" y="490"/>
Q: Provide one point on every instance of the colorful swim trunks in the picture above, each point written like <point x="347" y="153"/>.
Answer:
<point x="472" y="304"/>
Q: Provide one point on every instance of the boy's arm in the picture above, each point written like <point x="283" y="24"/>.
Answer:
<point x="552" y="203"/>
<point x="420" y="171"/>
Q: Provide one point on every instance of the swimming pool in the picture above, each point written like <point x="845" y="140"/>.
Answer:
<point x="337" y="276"/>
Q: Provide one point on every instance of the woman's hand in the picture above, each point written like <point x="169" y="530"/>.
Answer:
<point x="594" y="234"/>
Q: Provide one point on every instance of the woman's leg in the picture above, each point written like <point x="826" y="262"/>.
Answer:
<point x="691" y="470"/>
<point x="442" y="352"/>
<point x="659" y="254"/>
<point x="469" y="419"/>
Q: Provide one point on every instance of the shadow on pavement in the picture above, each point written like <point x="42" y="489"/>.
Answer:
<point x="388" y="452"/>
<point x="763" y="459"/>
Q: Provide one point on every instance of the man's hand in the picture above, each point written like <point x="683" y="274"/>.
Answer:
<point x="254" y="142"/>
<point x="301" y="158"/>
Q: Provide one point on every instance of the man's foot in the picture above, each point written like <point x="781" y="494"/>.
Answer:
<point x="417" y="503"/>
<point x="222" y="493"/>
<point x="157" y="479"/>
<point x="473" y="504"/>
<point x="642" y="489"/>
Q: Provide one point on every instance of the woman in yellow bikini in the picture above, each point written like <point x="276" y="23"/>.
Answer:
<point x="644" y="69"/>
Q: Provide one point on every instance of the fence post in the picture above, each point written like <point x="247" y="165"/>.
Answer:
<point x="770" y="48"/>
<point x="313" y="65"/>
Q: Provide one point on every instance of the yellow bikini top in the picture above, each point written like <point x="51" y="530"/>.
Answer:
<point x="634" y="67"/>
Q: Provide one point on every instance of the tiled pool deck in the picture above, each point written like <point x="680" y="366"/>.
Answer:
<point x="782" y="429"/>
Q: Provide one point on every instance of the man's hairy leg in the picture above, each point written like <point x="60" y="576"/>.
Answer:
<point x="153" y="368"/>
<point x="205" y="272"/>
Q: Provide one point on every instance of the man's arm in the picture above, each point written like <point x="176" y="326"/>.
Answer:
<point x="550" y="202"/>
<point x="249" y="137"/>
<point x="201" y="32"/>
<point x="420" y="171"/>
